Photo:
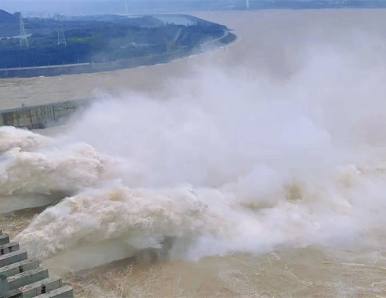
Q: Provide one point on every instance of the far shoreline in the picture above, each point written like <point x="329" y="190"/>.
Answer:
<point x="91" y="66"/>
<point x="81" y="68"/>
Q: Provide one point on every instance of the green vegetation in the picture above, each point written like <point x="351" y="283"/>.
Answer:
<point x="105" y="39"/>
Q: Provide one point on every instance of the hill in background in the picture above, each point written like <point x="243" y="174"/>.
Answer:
<point x="104" y="42"/>
<point x="9" y="24"/>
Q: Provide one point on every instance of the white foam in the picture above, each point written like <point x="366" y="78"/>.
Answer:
<point x="11" y="137"/>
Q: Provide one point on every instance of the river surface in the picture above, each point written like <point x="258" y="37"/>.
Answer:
<point x="294" y="185"/>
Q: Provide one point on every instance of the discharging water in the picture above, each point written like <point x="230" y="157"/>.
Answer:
<point x="265" y="162"/>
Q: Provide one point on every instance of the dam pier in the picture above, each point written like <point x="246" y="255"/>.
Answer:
<point x="21" y="277"/>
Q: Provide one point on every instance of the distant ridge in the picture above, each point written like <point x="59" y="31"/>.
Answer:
<point x="103" y="43"/>
<point x="9" y="24"/>
<point x="6" y="17"/>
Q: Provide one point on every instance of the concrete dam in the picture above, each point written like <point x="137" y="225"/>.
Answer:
<point x="41" y="116"/>
<point x="21" y="277"/>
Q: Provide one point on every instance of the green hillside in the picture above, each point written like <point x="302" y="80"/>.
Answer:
<point x="103" y="39"/>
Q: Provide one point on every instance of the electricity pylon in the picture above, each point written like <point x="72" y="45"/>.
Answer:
<point x="126" y="6"/>
<point x="23" y="36"/>
<point x="61" y="35"/>
<point x="62" y="38"/>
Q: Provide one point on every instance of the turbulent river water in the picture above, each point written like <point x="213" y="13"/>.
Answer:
<point x="262" y="163"/>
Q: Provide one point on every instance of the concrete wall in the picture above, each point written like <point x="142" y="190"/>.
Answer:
<point x="3" y="286"/>
<point x="41" y="116"/>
